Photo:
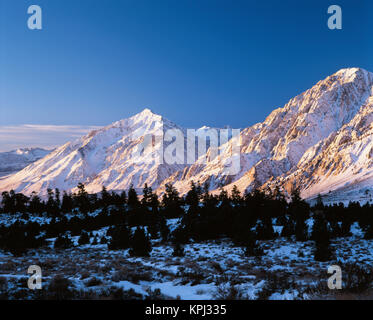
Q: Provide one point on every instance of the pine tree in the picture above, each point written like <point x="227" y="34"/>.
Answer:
<point x="103" y="240"/>
<point x="154" y="217"/>
<point x="171" y="202"/>
<point x="123" y="197"/>
<point x="57" y="199"/>
<point x="133" y="200"/>
<point x="319" y="203"/>
<point x="346" y="227"/>
<point x="14" y="202"/>
<point x="35" y="204"/>
<point x="164" y="229"/>
<point x="265" y="229"/>
<point x="140" y="244"/>
<point x="154" y="202"/>
<point x="153" y="229"/>
<point x="193" y="196"/>
<point x="51" y="205"/>
<point x="147" y="195"/>
<point x="82" y="199"/>
<point x="191" y="217"/>
<point x="18" y="238"/>
<point x="223" y="198"/>
<point x="84" y="238"/>
<point x="321" y="236"/>
<point x="301" y="230"/>
<point x="241" y="233"/>
<point x="322" y="250"/>
<point x="180" y="235"/>
<point x="251" y="247"/>
<point x="368" y="232"/>
<point x="178" y="250"/>
<point x="95" y="240"/>
<point x="7" y="202"/>
<point x="208" y="200"/>
<point x="288" y="229"/>
<point x="236" y="196"/>
<point x="67" y="203"/>
<point x="299" y="212"/>
<point x="105" y="197"/>
<point x="63" y="242"/>
<point x="120" y="238"/>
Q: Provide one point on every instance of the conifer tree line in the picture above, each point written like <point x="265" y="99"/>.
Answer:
<point x="134" y="220"/>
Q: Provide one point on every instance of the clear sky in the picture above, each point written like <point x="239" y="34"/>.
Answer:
<point x="196" y="62"/>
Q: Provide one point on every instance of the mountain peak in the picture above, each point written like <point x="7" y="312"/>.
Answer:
<point x="350" y="74"/>
<point x="146" y="114"/>
<point x="147" y="111"/>
<point x="147" y="118"/>
<point x="350" y="70"/>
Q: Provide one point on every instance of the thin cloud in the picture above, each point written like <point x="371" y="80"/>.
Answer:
<point x="42" y="136"/>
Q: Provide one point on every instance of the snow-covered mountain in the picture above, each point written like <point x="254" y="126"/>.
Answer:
<point x="340" y="167"/>
<point x="16" y="160"/>
<point x="320" y="141"/>
<point x="103" y="157"/>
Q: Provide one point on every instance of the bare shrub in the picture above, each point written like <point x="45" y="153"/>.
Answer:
<point x="60" y="288"/>
<point x="92" y="282"/>
<point x="155" y="294"/>
<point x="228" y="291"/>
<point x="356" y="279"/>
<point x="84" y="275"/>
<point x="227" y="288"/>
<point x="8" y="266"/>
<point x="3" y="288"/>
<point x="356" y="284"/>
<point x="216" y="266"/>
<point x="275" y="282"/>
<point x="126" y="274"/>
<point x="115" y="293"/>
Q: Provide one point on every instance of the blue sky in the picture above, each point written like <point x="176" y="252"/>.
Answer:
<point x="196" y="62"/>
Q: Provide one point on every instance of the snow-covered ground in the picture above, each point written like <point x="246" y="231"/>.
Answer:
<point x="209" y="270"/>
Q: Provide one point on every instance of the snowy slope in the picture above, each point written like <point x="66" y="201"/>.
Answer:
<point x="289" y="142"/>
<point x="103" y="157"/>
<point x="340" y="166"/>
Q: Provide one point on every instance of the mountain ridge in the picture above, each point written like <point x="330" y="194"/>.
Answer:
<point x="274" y="147"/>
<point x="289" y="148"/>
<point x="15" y="160"/>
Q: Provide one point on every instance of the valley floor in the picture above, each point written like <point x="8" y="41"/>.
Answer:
<point x="209" y="270"/>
